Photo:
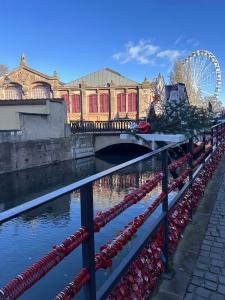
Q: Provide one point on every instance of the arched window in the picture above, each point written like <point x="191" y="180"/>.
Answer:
<point x="67" y="100"/>
<point x="132" y="102"/>
<point x="41" y="91"/>
<point x="104" y="103"/>
<point x="93" y="103"/>
<point x="75" y="103"/>
<point x="14" y="92"/>
<point x="121" y="102"/>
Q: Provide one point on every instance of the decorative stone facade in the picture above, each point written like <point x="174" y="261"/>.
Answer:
<point x="90" y="98"/>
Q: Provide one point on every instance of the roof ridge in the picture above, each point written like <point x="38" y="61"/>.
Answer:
<point x="106" y="69"/>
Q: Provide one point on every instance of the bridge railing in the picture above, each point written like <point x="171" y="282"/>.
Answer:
<point x="102" y="126"/>
<point x="85" y="236"/>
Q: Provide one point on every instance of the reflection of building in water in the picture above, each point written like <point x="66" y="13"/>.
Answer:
<point x="19" y="187"/>
<point x="110" y="190"/>
<point x="123" y="180"/>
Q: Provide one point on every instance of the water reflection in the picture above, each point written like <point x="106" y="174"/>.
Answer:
<point x="29" y="237"/>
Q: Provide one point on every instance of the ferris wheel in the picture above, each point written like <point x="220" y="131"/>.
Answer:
<point x="202" y="75"/>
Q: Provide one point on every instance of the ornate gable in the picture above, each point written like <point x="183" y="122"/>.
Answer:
<point x="27" y="78"/>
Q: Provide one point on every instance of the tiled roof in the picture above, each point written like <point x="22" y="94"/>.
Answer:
<point x="102" y="78"/>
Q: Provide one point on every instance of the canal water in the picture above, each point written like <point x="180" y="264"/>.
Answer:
<point x="27" y="238"/>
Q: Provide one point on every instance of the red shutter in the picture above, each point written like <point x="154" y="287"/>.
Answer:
<point x="93" y="103"/>
<point x="104" y="105"/>
<point x="67" y="100"/>
<point x="123" y="104"/>
<point x="106" y="102"/>
<point x="132" y="100"/>
<point x="75" y="103"/>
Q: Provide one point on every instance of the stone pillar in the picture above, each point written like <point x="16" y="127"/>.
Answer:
<point x="84" y="104"/>
<point x="112" y="103"/>
<point x="109" y="104"/>
<point x="137" y="104"/>
<point x="126" y="96"/>
<point x="81" y="105"/>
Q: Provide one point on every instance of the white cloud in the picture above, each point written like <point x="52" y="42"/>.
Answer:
<point x="141" y="52"/>
<point x="172" y="55"/>
<point x="146" y="53"/>
<point x="193" y="42"/>
<point x="179" y="39"/>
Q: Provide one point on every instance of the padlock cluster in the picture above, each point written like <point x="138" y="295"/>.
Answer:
<point x="34" y="273"/>
<point x="143" y="274"/>
<point x="113" y="247"/>
<point x="74" y="287"/>
<point x="102" y="218"/>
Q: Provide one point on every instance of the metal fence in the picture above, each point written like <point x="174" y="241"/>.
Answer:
<point x="102" y="126"/>
<point x="86" y="199"/>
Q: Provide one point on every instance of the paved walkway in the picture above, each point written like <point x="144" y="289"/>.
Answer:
<point x="199" y="261"/>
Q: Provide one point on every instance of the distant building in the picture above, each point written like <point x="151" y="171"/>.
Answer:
<point x="33" y="119"/>
<point x="99" y="96"/>
<point x="176" y="92"/>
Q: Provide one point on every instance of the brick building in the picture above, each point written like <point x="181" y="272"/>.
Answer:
<point x="98" y="96"/>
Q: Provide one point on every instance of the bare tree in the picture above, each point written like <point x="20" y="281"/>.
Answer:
<point x="3" y="70"/>
<point x="180" y="74"/>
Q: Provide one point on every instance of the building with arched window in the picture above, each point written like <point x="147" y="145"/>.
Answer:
<point x="98" y="96"/>
<point x="41" y="90"/>
<point x="13" y="92"/>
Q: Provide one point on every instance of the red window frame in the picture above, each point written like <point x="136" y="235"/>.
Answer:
<point x="121" y="102"/>
<point x="75" y="103"/>
<point x="104" y="103"/>
<point x="67" y="101"/>
<point x="132" y="102"/>
<point x="93" y="103"/>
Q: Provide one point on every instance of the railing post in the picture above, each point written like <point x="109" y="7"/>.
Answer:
<point x="204" y="144"/>
<point x="212" y="138"/>
<point x="217" y="136"/>
<point x="88" y="246"/>
<point x="222" y="128"/>
<point x="165" y="209"/>
<point x="190" y="164"/>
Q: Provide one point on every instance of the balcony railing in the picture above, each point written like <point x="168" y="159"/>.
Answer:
<point x="102" y="126"/>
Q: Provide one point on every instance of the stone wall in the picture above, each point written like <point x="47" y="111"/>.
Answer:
<point x="82" y="145"/>
<point x="33" y="119"/>
<point x="21" y="155"/>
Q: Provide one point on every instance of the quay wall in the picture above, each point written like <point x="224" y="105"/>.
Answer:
<point x="19" y="155"/>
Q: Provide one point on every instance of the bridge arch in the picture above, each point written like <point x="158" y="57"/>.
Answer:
<point x="104" y="141"/>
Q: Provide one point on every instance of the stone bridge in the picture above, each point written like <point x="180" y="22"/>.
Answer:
<point x="87" y="144"/>
<point x="105" y="140"/>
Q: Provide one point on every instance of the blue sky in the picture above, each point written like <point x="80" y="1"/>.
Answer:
<point x="136" y="38"/>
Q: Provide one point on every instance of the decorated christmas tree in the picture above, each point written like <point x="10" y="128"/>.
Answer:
<point x="177" y="115"/>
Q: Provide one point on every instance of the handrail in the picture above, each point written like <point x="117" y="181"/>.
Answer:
<point x="87" y="220"/>
<point x="39" y="201"/>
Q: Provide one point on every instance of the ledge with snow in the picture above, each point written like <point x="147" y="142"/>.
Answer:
<point x="155" y="137"/>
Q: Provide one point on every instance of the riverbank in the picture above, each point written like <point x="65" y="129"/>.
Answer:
<point x="19" y="155"/>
